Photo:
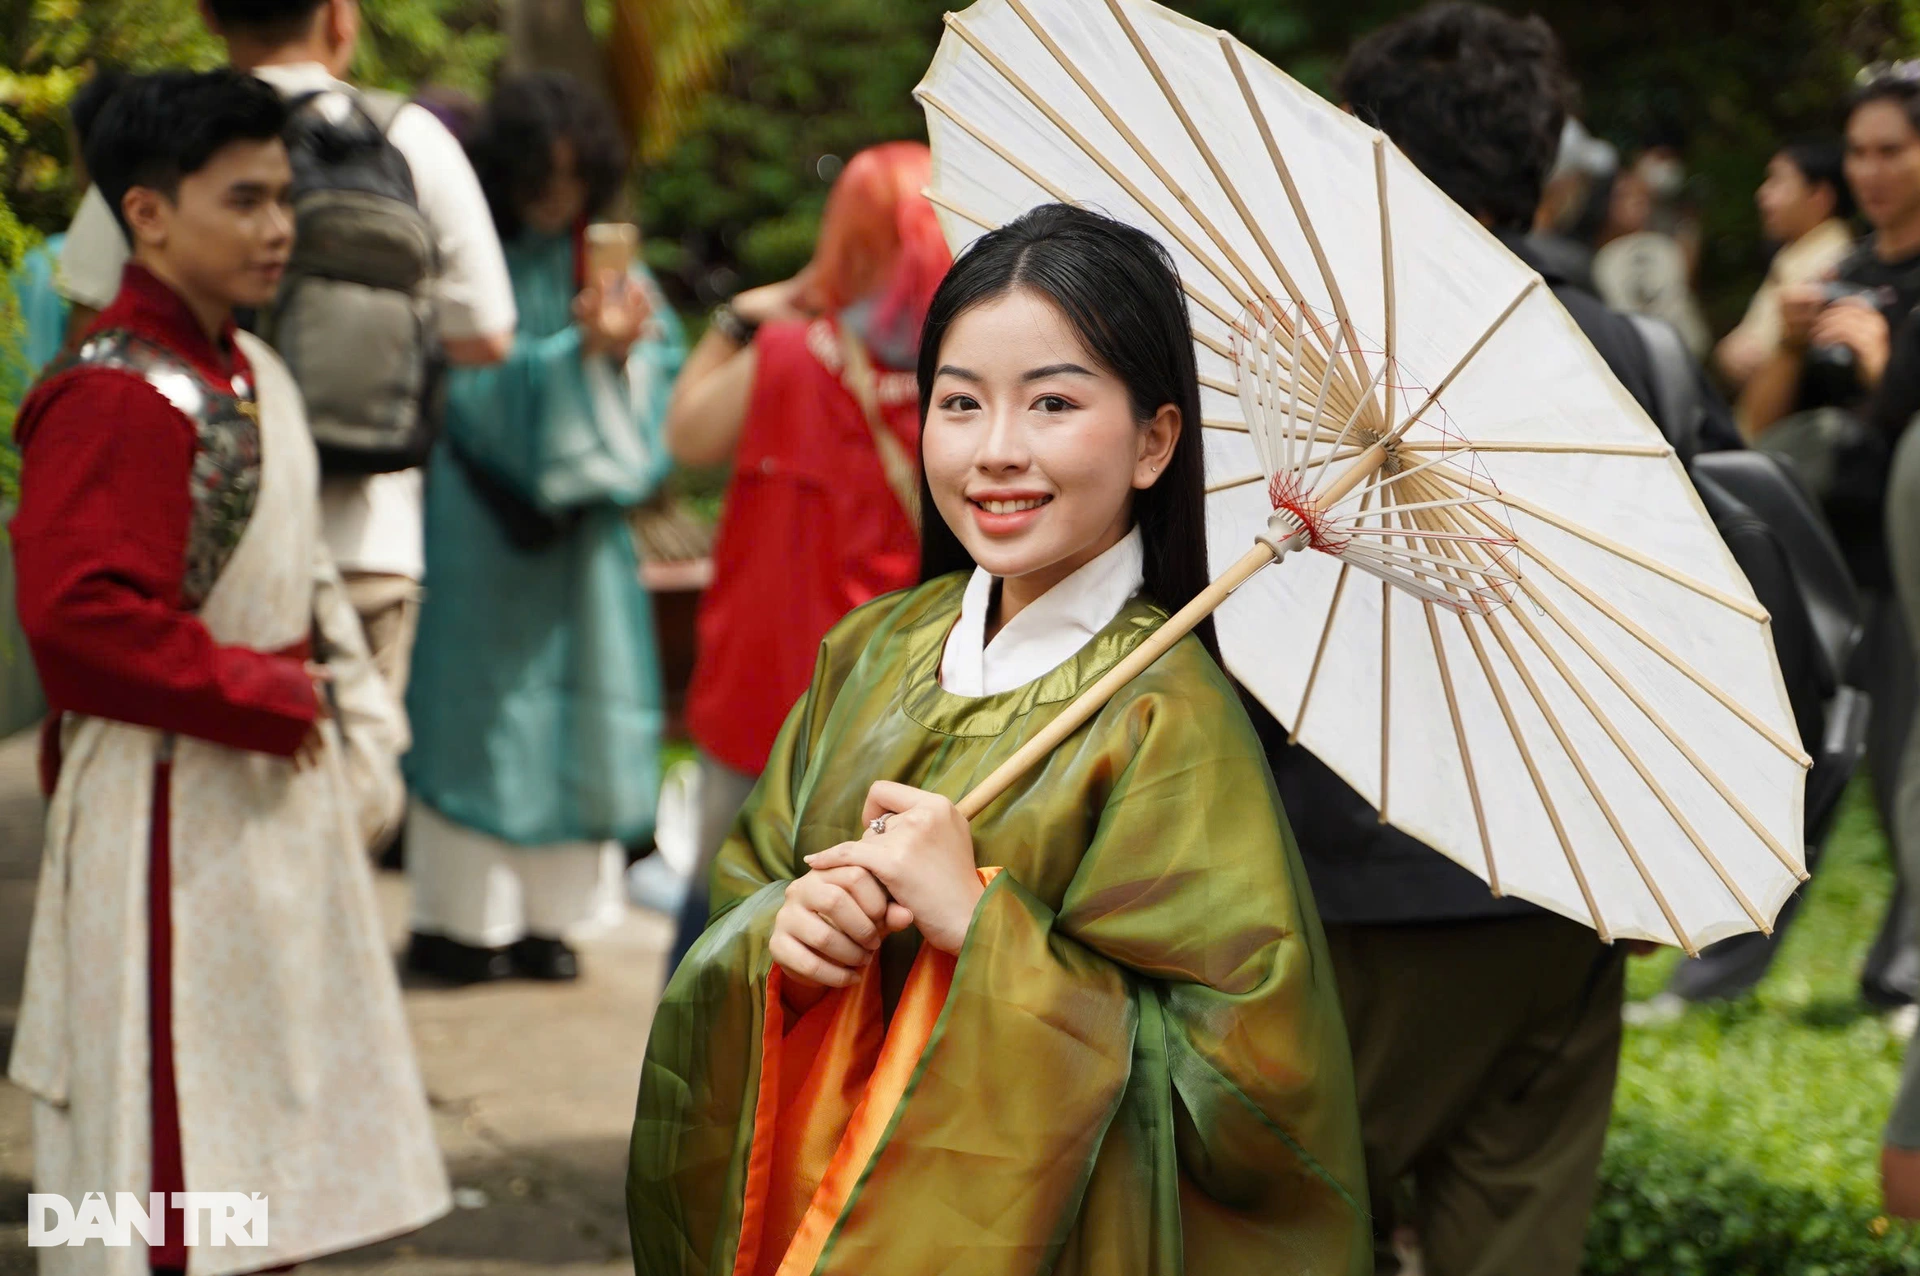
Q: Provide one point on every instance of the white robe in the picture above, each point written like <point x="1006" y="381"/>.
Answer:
<point x="292" y="1061"/>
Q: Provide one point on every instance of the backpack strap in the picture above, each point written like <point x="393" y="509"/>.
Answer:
<point x="856" y="374"/>
<point x="382" y="107"/>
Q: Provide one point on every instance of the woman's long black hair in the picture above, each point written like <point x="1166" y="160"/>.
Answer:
<point x="511" y="145"/>
<point x="1118" y="288"/>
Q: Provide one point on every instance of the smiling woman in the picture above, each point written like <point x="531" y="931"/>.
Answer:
<point x="867" y="1035"/>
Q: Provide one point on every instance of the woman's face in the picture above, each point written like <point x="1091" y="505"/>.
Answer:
<point x="1031" y="448"/>
<point x="564" y="200"/>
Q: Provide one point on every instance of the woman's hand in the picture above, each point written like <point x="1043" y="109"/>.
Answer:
<point x="613" y="313"/>
<point x="772" y="303"/>
<point x="924" y="859"/>
<point x="830" y="925"/>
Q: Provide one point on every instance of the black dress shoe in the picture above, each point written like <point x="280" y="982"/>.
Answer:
<point x="455" y="962"/>
<point x="538" y="957"/>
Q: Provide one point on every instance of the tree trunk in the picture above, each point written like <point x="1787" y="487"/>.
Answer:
<point x="553" y="35"/>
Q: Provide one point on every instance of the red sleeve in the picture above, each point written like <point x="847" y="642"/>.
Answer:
<point x="99" y="547"/>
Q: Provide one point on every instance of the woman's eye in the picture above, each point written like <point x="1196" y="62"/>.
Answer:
<point x="1052" y="403"/>
<point x="959" y="403"/>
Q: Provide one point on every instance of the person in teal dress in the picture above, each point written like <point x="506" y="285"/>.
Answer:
<point x="535" y="693"/>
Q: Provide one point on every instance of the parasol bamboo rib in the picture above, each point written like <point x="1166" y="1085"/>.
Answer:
<point x="1231" y="48"/>
<point x="1320" y="648"/>
<point x="1466" y="754"/>
<point x="1557" y="446"/>
<point x="984" y="222"/>
<point x="1179" y="109"/>
<point x="1228" y="484"/>
<point x="1386" y="262"/>
<point x="1214" y="383"/>
<point x="1640" y="767"/>
<point x="1293" y="393"/>
<point x="1403" y="475"/>
<point x="1539" y="781"/>
<point x="1166" y="179"/>
<point x="1347" y="429"/>
<point x="1214" y="344"/>
<point x="1214" y="268"/>
<point x="1416" y="556"/>
<point x="1627" y="753"/>
<point x="1120" y="126"/>
<point x="1319" y="653"/>
<point x="1653" y="715"/>
<point x="1779" y="741"/>
<point x="1313" y="422"/>
<point x="1752" y="611"/>
<point x="1248" y="275"/>
<point x="1241" y="427"/>
<point x="1386" y="688"/>
<point x="1593" y="787"/>
<point x="1227" y="186"/>
<point x="1479" y="343"/>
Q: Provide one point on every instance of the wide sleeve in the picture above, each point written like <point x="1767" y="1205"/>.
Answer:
<point x="372" y="726"/>
<point x="1183" y="998"/>
<point x="565" y="429"/>
<point x="99" y="546"/>
<point x="702" y="1066"/>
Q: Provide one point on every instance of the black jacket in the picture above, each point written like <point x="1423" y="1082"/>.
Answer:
<point x="1363" y="871"/>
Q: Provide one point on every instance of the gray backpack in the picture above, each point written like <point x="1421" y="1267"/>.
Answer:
<point x="354" y="316"/>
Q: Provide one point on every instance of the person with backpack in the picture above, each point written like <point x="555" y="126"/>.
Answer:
<point x="396" y="267"/>
<point x="535" y="699"/>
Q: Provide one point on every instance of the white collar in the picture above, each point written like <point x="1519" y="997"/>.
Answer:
<point x="1048" y="630"/>
<point x="295" y="78"/>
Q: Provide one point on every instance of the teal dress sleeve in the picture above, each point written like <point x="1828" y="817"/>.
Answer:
<point x="566" y="429"/>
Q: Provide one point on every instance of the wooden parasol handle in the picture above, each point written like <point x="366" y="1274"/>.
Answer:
<point x="1177" y="626"/>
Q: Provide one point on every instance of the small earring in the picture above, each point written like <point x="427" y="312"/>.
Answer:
<point x="1156" y="469"/>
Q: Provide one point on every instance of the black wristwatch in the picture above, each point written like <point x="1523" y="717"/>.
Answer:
<point x="733" y="325"/>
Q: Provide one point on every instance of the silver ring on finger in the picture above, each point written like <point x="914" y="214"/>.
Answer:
<point x="878" y="824"/>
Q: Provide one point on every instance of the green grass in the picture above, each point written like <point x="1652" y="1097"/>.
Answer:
<point x="1745" y="1137"/>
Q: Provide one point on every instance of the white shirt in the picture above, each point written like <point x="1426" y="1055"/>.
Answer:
<point x="1046" y="632"/>
<point x="372" y="524"/>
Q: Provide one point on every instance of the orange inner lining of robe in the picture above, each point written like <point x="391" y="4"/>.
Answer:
<point x="828" y="1088"/>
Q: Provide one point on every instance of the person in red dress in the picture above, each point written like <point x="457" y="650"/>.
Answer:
<point x="807" y="388"/>
<point x="209" y="1002"/>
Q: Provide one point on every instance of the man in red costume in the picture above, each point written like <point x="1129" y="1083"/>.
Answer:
<point x="210" y="1006"/>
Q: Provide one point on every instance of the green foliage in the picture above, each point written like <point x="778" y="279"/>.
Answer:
<point x="409" y="44"/>
<point x="1746" y="1137"/>
<point x="807" y="85"/>
<point x="49" y="48"/>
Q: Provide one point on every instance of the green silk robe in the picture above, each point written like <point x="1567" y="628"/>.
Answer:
<point x="1139" y="1065"/>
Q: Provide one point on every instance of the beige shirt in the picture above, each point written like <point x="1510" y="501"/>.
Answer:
<point x="1806" y="260"/>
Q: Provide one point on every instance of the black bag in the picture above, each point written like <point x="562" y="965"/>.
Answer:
<point x="354" y="316"/>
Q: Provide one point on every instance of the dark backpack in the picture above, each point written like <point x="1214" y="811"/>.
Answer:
<point x="354" y="316"/>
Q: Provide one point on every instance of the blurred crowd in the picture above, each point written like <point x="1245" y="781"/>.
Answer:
<point x="491" y="415"/>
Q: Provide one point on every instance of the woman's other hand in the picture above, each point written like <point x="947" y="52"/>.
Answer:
<point x="924" y="859"/>
<point x="831" y="924"/>
<point x="613" y="313"/>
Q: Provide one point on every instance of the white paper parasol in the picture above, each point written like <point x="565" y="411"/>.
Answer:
<point x="1512" y="626"/>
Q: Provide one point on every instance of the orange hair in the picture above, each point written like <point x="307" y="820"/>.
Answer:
<point x="880" y="231"/>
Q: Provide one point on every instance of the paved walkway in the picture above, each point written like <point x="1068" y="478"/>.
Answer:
<point x="532" y="1090"/>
